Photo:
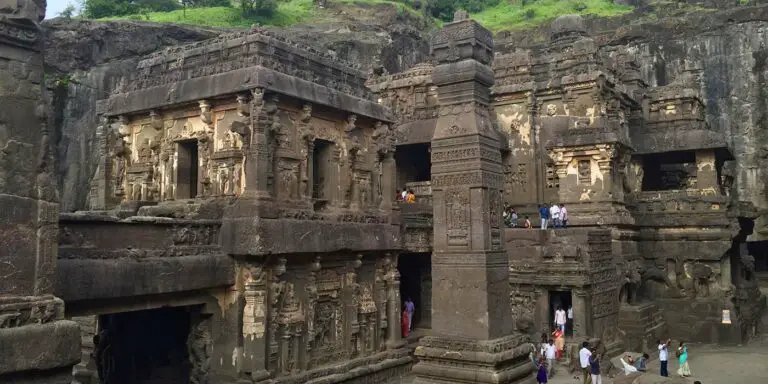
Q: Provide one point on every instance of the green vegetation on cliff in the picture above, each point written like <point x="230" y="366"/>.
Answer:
<point x="496" y="15"/>
<point x="511" y="15"/>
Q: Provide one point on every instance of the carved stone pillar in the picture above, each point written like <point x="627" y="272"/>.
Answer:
<point x="36" y="343"/>
<point x="394" y="333"/>
<point x="257" y="170"/>
<point x="472" y="321"/>
<point x="254" y="322"/>
<point x="387" y="181"/>
<point x="352" y="327"/>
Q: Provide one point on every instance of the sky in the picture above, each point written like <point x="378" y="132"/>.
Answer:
<point x="56" y="6"/>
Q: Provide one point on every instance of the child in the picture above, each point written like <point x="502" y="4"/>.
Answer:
<point x="541" y="376"/>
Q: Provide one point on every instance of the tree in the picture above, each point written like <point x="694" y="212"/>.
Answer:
<point x="258" y="7"/>
<point x="96" y="9"/>
<point x="207" y="3"/>
<point x="68" y="11"/>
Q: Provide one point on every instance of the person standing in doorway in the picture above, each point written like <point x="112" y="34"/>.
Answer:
<point x="404" y="325"/>
<point x="584" y="354"/>
<point x="664" y="358"/>
<point x="594" y="367"/>
<point x="543" y="215"/>
<point x="410" y="309"/>
<point x="563" y="216"/>
<point x="560" y="318"/>
<point x="570" y="318"/>
<point x="554" y="215"/>
<point x="403" y="194"/>
<point x="551" y="355"/>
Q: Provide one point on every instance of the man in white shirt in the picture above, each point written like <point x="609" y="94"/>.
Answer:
<point x="551" y="354"/>
<point x="560" y="319"/>
<point x="664" y="358"/>
<point x="584" y="355"/>
<point x="554" y="215"/>
<point x="570" y="313"/>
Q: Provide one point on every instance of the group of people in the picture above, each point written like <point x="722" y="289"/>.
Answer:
<point x="552" y="348"/>
<point x="640" y="365"/>
<point x="512" y="220"/>
<point x="555" y="213"/>
<point x="405" y="196"/>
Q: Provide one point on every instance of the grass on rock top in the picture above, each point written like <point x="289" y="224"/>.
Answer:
<point x="512" y="15"/>
<point x="507" y="15"/>
<point x="288" y="13"/>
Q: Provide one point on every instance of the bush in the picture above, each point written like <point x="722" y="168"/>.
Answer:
<point x="530" y="14"/>
<point x="444" y="9"/>
<point x="97" y="9"/>
<point x="258" y="7"/>
<point x="207" y="3"/>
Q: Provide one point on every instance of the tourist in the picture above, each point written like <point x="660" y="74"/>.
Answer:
<point x="560" y="318"/>
<point x="410" y="197"/>
<point x="543" y="346"/>
<point x="570" y="317"/>
<point x="563" y="216"/>
<point x="404" y="325"/>
<point x="410" y="309"/>
<point x="554" y="215"/>
<point x="584" y="354"/>
<point x="527" y="223"/>
<point x="683" y="369"/>
<point x="551" y="355"/>
<point x="594" y="367"/>
<point x="642" y="363"/>
<point x="664" y="357"/>
<point x="532" y="356"/>
<point x="541" y="376"/>
<point x="398" y="195"/>
<point x="403" y="194"/>
<point x="559" y="342"/>
<point x="543" y="215"/>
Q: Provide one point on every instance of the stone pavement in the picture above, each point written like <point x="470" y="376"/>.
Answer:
<point x="710" y="364"/>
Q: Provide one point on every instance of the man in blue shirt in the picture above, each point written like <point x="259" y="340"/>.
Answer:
<point x="544" y="215"/>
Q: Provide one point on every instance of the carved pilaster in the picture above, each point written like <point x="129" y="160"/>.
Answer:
<point x="254" y="322"/>
<point x="394" y="334"/>
<point x="352" y="291"/>
<point x="276" y="288"/>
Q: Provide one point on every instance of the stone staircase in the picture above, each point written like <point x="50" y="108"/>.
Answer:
<point x="642" y="325"/>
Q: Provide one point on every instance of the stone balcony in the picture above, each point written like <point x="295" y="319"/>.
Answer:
<point x="678" y="207"/>
<point x="104" y="257"/>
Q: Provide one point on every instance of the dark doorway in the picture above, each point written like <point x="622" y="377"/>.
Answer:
<point x="144" y="347"/>
<point x="322" y="157"/>
<point x="561" y="299"/>
<point x="669" y="171"/>
<point x="186" y="169"/>
<point x="413" y="163"/>
<point x="416" y="283"/>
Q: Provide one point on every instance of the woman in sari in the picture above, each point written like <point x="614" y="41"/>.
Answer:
<point x="682" y="361"/>
<point x="559" y="337"/>
<point x="404" y="324"/>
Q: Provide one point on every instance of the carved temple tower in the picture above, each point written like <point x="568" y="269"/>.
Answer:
<point x="36" y="344"/>
<point x="472" y="338"/>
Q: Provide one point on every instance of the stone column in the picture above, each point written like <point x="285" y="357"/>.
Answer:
<point x="387" y="180"/>
<point x="394" y="333"/>
<point x="254" y="322"/>
<point x="706" y="174"/>
<point x="579" y="304"/>
<point x="472" y="336"/>
<point x="36" y="343"/>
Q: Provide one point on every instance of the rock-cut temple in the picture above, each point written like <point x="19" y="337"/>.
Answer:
<point x="244" y="227"/>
